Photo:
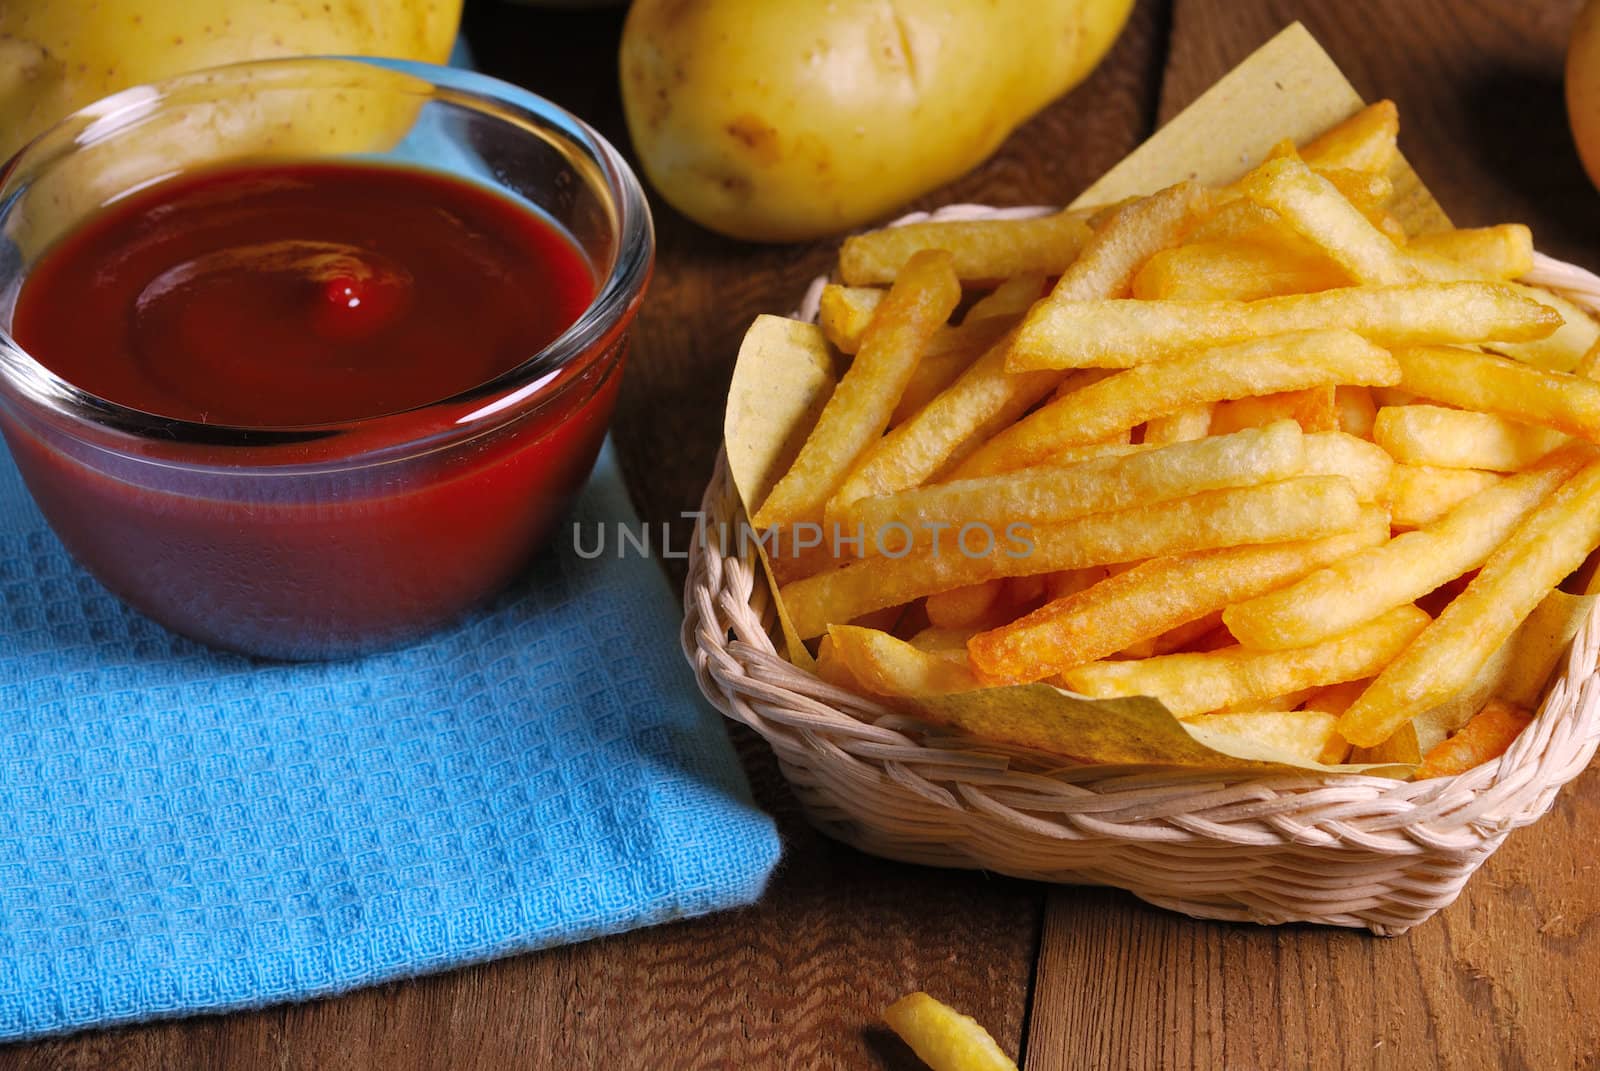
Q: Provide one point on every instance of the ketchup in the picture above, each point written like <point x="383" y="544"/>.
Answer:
<point x="290" y="297"/>
<point x="300" y="294"/>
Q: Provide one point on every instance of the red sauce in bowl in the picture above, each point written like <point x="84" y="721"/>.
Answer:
<point x="300" y="294"/>
<point x="292" y="297"/>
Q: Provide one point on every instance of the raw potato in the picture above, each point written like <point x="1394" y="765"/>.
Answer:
<point x="789" y="119"/>
<point x="56" y="57"/>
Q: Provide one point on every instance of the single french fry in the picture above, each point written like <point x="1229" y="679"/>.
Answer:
<point x="1300" y="508"/>
<point x="1491" y="384"/>
<point x="1341" y="596"/>
<point x="1100" y="485"/>
<point x="1485" y="737"/>
<point x="964" y="607"/>
<point x="1504" y="251"/>
<point x="1316" y="210"/>
<point x="987" y="397"/>
<point x="884" y="665"/>
<point x="1365" y="142"/>
<point x="943" y="1038"/>
<point x="1269" y="734"/>
<point x="858" y="411"/>
<point x="1131" y="235"/>
<point x="1365" y="465"/>
<point x="1420" y="494"/>
<point x="982" y="251"/>
<point x="1357" y="410"/>
<point x="1189" y="684"/>
<point x="1549" y="543"/>
<point x="1314" y="409"/>
<point x="1235" y="270"/>
<point x="1154" y="598"/>
<point x="1562" y="350"/>
<point x="1264" y="366"/>
<point x="1186" y="425"/>
<point x="1122" y="333"/>
<point x="843" y="313"/>
<point x="1461" y="439"/>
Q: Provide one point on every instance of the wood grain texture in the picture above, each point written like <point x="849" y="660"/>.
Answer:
<point x="1505" y="977"/>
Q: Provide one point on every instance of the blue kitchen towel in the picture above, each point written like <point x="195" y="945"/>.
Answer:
<point x="188" y="831"/>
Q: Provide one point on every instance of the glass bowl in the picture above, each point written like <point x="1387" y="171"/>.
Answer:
<point x="327" y="540"/>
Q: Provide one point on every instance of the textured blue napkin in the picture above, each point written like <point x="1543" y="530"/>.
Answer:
<point x="185" y="831"/>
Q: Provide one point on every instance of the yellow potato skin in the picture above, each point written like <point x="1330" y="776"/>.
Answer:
<point x="58" y="55"/>
<point x="779" y="120"/>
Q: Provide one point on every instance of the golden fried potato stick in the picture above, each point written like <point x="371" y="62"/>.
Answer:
<point x="1365" y="465"/>
<point x="1365" y="142"/>
<point x="1307" y="736"/>
<point x="1122" y="333"/>
<point x="1263" y="366"/>
<point x="983" y="251"/>
<point x="1236" y="269"/>
<point x="1550" y="543"/>
<point x="1357" y="410"/>
<point x="989" y="318"/>
<point x="1186" y="425"/>
<point x="1315" y="209"/>
<point x="1418" y="495"/>
<point x="1189" y="684"/>
<point x="1504" y="251"/>
<point x="1101" y="485"/>
<point x="1461" y="439"/>
<point x="986" y="397"/>
<point x="1359" y="588"/>
<point x="858" y="411"/>
<point x="943" y="1038"/>
<point x="1314" y="409"/>
<point x="1485" y="737"/>
<point x="964" y="608"/>
<point x="1300" y="508"/>
<point x="886" y="666"/>
<point x="1490" y="384"/>
<point x="1152" y="599"/>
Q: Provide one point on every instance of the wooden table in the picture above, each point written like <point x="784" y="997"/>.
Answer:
<point x="1070" y="978"/>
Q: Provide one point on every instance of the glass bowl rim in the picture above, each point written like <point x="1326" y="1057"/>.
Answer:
<point x="491" y="403"/>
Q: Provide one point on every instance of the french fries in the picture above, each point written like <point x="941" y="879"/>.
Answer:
<point x="1189" y="684"/>
<point x="859" y="410"/>
<point x="1285" y="362"/>
<point x="1362" y="586"/>
<point x="987" y="252"/>
<point x="1550" y="543"/>
<point x="1301" y="508"/>
<point x="1461" y="438"/>
<point x="1244" y="486"/>
<point x="1122" y="333"/>
<point x="1153" y="598"/>
<point x="1098" y="485"/>
<point x="943" y="1038"/>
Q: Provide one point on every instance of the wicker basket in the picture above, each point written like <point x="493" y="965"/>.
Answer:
<point x="1341" y="850"/>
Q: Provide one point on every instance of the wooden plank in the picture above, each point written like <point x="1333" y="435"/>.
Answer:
<point x="1504" y="977"/>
